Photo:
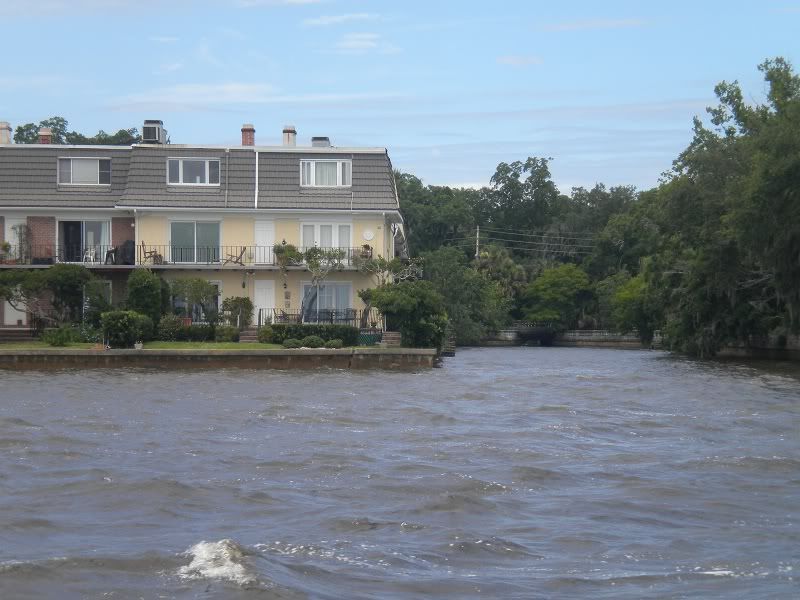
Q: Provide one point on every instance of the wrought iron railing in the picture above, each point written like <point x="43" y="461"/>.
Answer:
<point x="48" y="254"/>
<point x="361" y="318"/>
<point x="244" y="256"/>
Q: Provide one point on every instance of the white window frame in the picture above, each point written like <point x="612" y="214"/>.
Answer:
<point x="339" y="183"/>
<point x="303" y="285"/>
<point x="195" y="261"/>
<point x="180" y="160"/>
<point x="95" y="158"/>
<point x="84" y="246"/>
<point x="335" y="241"/>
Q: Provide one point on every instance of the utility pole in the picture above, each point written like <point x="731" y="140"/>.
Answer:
<point x="477" y="241"/>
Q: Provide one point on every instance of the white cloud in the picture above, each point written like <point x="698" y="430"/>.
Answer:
<point x="519" y="61"/>
<point x="328" y="20"/>
<point x="594" y="24"/>
<point x="204" y="53"/>
<point x="361" y="43"/>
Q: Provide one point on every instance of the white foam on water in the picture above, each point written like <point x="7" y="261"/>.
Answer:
<point x="223" y="560"/>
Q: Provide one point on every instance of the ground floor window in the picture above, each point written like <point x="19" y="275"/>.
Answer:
<point x="327" y="302"/>
<point x="185" y="306"/>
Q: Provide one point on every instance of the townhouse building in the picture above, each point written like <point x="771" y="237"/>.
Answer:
<point x="229" y="214"/>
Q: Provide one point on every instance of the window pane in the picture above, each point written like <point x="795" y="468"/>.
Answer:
<point x="84" y="170"/>
<point x="308" y="235"/>
<point x="194" y="171"/>
<point x="346" y="173"/>
<point x="174" y="171"/>
<point x="182" y="242"/>
<point x="104" y="175"/>
<point x="342" y="296"/>
<point x="305" y="169"/>
<point x="326" y="236"/>
<point x="207" y="242"/>
<point x="64" y="170"/>
<point x="344" y="236"/>
<point x="325" y="173"/>
<point x="309" y="300"/>
<point x="213" y="171"/>
<point x="95" y="238"/>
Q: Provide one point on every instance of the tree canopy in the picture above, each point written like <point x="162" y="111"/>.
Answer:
<point x="29" y="134"/>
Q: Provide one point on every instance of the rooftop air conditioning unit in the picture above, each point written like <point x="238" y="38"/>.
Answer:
<point x="153" y="132"/>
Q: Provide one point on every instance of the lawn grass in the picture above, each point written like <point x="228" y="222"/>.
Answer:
<point x="37" y="345"/>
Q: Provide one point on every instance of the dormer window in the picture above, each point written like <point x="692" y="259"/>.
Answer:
<point x="326" y="173"/>
<point x="84" y="171"/>
<point x="193" y="171"/>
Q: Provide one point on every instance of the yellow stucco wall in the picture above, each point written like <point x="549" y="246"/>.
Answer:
<point x="152" y="230"/>
<point x="238" y="231"/>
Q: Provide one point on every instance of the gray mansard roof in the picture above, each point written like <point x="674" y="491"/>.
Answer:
<point x="28" y="178"/>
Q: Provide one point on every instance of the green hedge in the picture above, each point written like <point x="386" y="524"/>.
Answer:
<point x="63" y="336"/>
<point x="124" y="327"/>
<point x="347" y="333"/>
<point x="224" y="333"/>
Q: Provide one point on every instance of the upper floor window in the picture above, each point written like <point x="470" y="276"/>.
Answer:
<point x="84" y="171"/>
<point x="193" y="171"/>
<point x="326" y="173"/>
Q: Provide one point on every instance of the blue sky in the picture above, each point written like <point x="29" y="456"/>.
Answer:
<point x="607" y="89"/>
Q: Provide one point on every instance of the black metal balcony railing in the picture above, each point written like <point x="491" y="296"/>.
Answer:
<point x="245" y="256"/>
<point x="366" y="319"/>
<point x="148" y="254"/>
<point x="48" y="254"/>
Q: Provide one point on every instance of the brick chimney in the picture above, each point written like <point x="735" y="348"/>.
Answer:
<point x="289" y="135"/>
<point x="45" y="135"/>
<point x="5" y="132"/>
<point x="248" y="135"/>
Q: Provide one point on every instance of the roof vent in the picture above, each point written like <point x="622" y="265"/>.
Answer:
<point x="321" y="142"/>
<point x="153" y="132"/>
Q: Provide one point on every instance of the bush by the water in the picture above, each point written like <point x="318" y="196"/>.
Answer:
<point x="226" y="333"/>
<point x="169" y="328"/>
<point x="313" y="341"/>
<point x="347" y="333"/>
<point x="122" y="328"/>
<point x="292" y="343"/>
<point x="196" y="333"/>
<point x="333" y="344"/>
<point x="63" y="336"/>
<point x="90" y="334"/>
<point x="265" y="335"/>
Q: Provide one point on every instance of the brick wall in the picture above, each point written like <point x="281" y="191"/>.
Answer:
<point x="121" y="230"/>
<point x="43" y="236"/>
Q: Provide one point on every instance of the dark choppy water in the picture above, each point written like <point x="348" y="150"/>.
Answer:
<point x="509" y="473"/>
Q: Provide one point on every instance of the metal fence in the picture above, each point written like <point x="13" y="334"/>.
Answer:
<point x="244" y="256"/>
<point x="363" y="319"/>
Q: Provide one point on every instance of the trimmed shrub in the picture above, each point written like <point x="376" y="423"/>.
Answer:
<point x="347" y="333"/>
<point x="265" y="335"/>
<point x="313" y="341"/>
<point x="144" y="293"/>
<point x="224" y="333"/>
<point x="63" y="336"/>
<point x="169" y="328"/>
<point x="122" y="328"/>
<point x="334" y="344"/>
<point x="198" y="333"/>
<point x="292" y="343"/>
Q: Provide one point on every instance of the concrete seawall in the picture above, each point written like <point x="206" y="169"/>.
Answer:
<point x="346" y="358"/>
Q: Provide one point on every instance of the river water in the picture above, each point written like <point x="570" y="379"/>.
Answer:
<point x="508" y="473"/>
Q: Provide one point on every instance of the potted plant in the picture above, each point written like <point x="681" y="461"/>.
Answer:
<point x="366" y="251"/>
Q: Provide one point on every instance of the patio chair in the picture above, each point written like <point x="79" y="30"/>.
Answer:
<point x="151" y="255"/>
<point x="235" y="259"/>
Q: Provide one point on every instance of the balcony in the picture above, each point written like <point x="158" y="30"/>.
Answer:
<point x="268" y="257"/>
<point x="94" y="255"/>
